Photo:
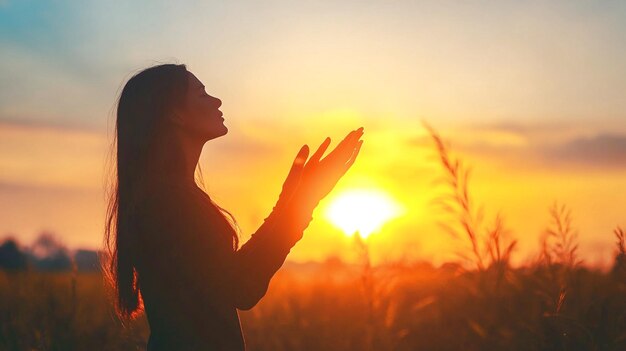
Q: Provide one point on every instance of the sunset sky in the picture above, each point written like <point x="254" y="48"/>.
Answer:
<point x="531" y="95"/>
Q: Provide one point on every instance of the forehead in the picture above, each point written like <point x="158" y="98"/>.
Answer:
<point x="194" y="82"/>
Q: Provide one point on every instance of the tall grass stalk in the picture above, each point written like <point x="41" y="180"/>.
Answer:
<point x="619" y="268"/>
<point x="458" y="202"/>
<point x="560" y="238"/>
<point x="559" y="251"/>
<point x="488" y="248"/>
<point x="368" y="284"/>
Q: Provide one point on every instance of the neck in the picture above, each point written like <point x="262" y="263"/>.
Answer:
<point x="176" y="158"/>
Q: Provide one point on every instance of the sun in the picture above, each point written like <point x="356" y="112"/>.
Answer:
<point x="362" y="210"/>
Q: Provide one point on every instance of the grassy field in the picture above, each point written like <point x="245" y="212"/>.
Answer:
<point x="333" y="306"/>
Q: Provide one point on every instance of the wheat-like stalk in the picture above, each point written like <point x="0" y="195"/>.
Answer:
<point x="620" y="235"/>
<point x="619" y="268"/>
<point x="458" y="202"/>
<point x="489" y="249"/>
<point x="559" y="250"/>
<point x="560" y="238"/>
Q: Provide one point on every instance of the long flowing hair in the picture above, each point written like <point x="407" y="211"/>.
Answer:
<point x="142" y="108"/>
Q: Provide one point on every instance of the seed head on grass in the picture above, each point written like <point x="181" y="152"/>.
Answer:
<point x="487" y="247"/>
<point x="498" y="246"/>
<point x="559" y="251"/>
<point x="620" y="235"/>
<point x="619" y="269"/>
<point x="560" y="240"/>
<point x="458" y="202"/>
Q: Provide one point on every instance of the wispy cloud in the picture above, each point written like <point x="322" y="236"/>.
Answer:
<point x="602" y="150"/>
<point x="549" y="145"/>
<point x="43" y="155"/>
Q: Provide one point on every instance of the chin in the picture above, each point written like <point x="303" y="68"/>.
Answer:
<point x="219" y="134"/>
<point x="225" y="131"/>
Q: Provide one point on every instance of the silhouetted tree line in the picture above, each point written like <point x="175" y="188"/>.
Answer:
<point x="47" y="254"/>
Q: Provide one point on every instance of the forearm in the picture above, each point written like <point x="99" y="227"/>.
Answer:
<point x="280" y="231"/>
<point x="266" y="251"/>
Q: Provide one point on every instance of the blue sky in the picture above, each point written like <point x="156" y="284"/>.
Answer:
<point x="527" y="61"/>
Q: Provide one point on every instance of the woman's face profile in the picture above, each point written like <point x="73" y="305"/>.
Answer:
<point x="200" y="114"/>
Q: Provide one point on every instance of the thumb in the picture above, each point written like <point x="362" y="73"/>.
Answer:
<point x="301" y="156"/>
<point x="293" y="177"/>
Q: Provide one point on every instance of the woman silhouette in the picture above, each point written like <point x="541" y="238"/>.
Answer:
<point x="172" y="250"/>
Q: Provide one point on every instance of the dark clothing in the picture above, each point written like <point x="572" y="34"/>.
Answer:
<point x="191" y="280"/>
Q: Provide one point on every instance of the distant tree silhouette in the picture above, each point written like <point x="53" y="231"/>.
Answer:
<point x="48" y="254"/>
<point x="11" y="257"/>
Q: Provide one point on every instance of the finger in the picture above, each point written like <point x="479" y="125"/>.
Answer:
<point x="296" y="168"/>
<point x="356" y="136"/>
<point x="350" y="136"/>
<point x="320" y="151"/>
<point x="298" y="162"/>
<point x="301" y="156"/>
<point x="351" y="139"/>
<point x="354" y="155"/>
<point x="357" y="133"/>
<point x="346" y="147"/>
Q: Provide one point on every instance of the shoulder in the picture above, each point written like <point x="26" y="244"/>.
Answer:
<point x="171" y="208"/>
<point x="176" y="215"/>
<point x="167" y="205"/>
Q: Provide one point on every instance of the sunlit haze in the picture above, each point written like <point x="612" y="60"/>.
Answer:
<point x="530" y="95"/>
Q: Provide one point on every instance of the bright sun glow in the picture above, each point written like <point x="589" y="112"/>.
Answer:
<point x="361" y="210"/>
